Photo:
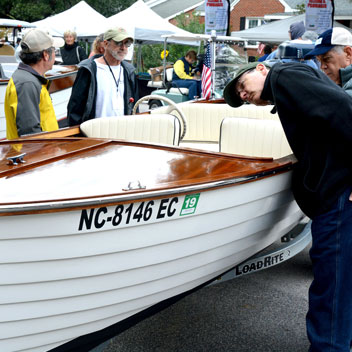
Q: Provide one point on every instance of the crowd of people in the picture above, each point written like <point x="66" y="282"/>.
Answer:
<point x="314" y="105"/>
<point x="105" y="85"/>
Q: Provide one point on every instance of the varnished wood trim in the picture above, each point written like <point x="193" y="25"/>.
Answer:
<point x="131" y="197"/>
<point x="62" y="132"/>
<point x="25" y="167"/>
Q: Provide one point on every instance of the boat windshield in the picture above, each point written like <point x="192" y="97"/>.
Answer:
<point x="228" y="60"/>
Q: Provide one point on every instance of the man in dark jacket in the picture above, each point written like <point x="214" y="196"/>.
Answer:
<point x="316" y="116"/>
<point x="105" y="85"/>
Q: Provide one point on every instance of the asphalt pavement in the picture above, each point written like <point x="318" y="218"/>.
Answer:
<point x="260" y="312"/>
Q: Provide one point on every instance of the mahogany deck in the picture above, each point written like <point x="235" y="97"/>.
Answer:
<point x="80" y="168"/>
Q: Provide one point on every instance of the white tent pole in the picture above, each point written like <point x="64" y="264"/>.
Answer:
<point x="212" y="48"/>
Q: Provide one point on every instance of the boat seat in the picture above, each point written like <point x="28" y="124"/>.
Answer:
<point x="7" y="50"/>
<point x="161" y="128"/>
<point x="160" y="84"/>
<point x="253" y="137"/>
<point x="203" y="120"/>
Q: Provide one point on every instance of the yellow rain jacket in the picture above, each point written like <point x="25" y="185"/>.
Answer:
<point x="28" y="106"/>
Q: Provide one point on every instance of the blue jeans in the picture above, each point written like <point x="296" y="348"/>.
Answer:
<point x="329" y="317"/>
<point x="194" y="87"/>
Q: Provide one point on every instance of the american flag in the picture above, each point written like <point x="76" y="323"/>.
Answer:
<point x="206" y="74"/>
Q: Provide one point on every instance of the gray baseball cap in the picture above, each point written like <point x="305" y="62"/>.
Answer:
<point x="37" y="40"/>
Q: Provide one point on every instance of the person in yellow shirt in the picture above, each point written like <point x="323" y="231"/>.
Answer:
<point x="183" y="76"/>
<point x="28" y="106"/>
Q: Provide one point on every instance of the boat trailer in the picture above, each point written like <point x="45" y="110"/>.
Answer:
<point x="293" y="242"/>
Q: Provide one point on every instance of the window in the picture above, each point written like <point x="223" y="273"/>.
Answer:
<point x="252" y="22"/>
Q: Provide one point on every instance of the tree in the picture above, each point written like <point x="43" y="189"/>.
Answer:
<point x="151" y="53"/>
<point x="38" y="9"/>
<point x="301" y="8"/>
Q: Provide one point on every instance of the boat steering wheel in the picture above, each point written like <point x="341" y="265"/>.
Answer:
<point x="171" y="107"/>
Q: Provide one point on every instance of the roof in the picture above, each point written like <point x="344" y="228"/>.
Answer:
<point x="276" y="31"/>
<point x="343" y="8"/>
<point x="171" y="8"/>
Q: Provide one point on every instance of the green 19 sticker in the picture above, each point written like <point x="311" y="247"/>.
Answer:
<point x="190" y="204"/>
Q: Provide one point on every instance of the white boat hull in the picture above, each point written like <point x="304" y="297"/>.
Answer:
<point x="74" y="272"/>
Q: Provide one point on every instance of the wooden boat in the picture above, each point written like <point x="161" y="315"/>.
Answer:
<point x="97" y="233"/>
<point x="62" y="79"/>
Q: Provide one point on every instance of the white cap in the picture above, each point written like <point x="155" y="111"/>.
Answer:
<point x="36" y="40"/>
<point x="341" y="36"/>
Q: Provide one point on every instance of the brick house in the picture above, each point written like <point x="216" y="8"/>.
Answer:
<point x="246" y="13"/>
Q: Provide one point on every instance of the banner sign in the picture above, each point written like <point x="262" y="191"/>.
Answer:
<point x="319" y="15"/>
<point x="216" y="16"/>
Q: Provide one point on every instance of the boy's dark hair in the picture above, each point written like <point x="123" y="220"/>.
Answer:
<point x="192" y="54"/>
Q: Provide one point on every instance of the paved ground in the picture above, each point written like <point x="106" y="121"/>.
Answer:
<point x="260" y="312"/>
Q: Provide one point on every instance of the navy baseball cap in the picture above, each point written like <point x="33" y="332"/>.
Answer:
<point x="328" y="39"/>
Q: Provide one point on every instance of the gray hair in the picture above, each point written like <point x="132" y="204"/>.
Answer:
<point x="338" y="49"/>
<point x="310" y="35"/>
<point x="69" y="32"/>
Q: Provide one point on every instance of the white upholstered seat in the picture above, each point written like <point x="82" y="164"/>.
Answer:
<point x="253" y="137"/>
<point x="160" y="84"/>
<point x="156" y="128"/>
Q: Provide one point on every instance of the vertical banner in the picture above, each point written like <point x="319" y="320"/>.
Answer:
<point x="319" y="15"/>
<point x="216" y="16"/>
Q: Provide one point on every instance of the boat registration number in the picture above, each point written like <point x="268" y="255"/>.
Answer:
<point x="125" y="214"/>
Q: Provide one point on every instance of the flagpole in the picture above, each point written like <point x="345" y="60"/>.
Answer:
<point x="213" y="48"/>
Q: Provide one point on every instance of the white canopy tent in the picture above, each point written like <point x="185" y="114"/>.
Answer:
<point x="275" y="32"/>
<point x="81" y="18"/>
<point x="144" y="24"/>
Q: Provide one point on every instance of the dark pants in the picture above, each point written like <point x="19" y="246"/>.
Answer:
<point x="329" y="318"/>
<point x="194" y="87"/>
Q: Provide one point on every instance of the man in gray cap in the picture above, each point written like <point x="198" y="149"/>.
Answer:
<point x="316" y="116"/>
<point x="105" y="85"/>
<point x="28" y="106"/>
<point x="333" y="49"/>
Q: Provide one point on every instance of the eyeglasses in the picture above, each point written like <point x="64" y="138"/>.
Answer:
<point x="127" y="43"/>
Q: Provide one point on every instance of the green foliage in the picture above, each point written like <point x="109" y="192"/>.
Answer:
<point x="38" y="9"/>
<point x="32" y="11"/>
<point x="301" y="8"/>
<point x="190" y="22"/>
<point x="151" y="53"/>
<point x="110" y="7"/>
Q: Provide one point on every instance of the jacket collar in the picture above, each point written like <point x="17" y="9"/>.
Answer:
<point x="345" y="74"/>
<point x="30" y="69"/>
